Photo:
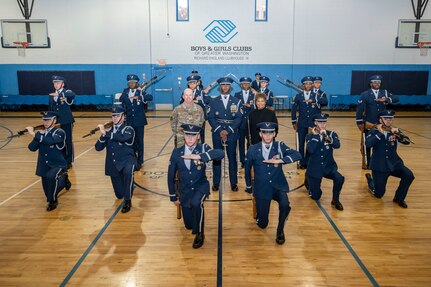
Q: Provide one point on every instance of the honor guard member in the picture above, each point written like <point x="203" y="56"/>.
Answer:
<point x="224" y="116"/>
<point x="385" y="160"/>
<point x="199" y="82"/>
<point x="321" y="164"/>
<point x="51" y="164"/>
<point x="247" y="99"/>
<point x="307" y="105"/>
<point x="190" y="163"/>
<point x="60" y="102"/>
<point x="186" y="113"/>
<point x="317" y="83"/>
<point x="120" y="155"/>
<point x="255" y="85"/>
<point x="267" y="158"/>
<point x="199" y="97"/>
<point x="133" y="100"/>
<point x="264" y="83"/>
<point x="370" y="104"/>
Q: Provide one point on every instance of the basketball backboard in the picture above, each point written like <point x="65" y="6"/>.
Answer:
<point x="410" y="32"/>
<point x="34" y="32"/>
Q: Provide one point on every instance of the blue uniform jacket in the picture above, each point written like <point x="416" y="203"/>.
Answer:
<point x="135" y="110"/>
<point x="193" y="180"/>
<point x="49" y="145"/>
<point x="119" y="149"/>
<point x="228" y="119"/>
<point x="268" y="175"/>
<point x="306" y="110"/>
<point x="269" y="97"/>
<point x="322" y="98"/>
<point x="245" y="110"/>
<point x="321" y="155"/>
<point x="62" y="106"/>
<point x="384" y="157"/>
<point x="368" y="108"/>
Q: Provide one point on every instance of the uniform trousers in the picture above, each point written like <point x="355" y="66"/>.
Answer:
<point x="302" y="133"/>
<point x="381" y="178"/>
<point x="194" y="216"/>
<point x="53" y="182"/>
<point x="139" y="144"/>
<point x="123" y="182"/>
<point x="263" y="207"/>
<point x="314" y="184"/>
<point x="231" y="155"/>
<point x="243" y="137"/>
<point x="68" y="152"/>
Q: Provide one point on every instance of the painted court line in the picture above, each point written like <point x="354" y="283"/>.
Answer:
<point x="27" y="187"/>
<point x="346" y="243"/>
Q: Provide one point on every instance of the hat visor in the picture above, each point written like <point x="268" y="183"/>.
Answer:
<point x="191" y="133"/>
<point x="48" y="118"/>
<point x="132" y="81"/>
<point x="267" y="130"/>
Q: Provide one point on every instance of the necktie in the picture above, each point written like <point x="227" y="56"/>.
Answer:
<point x="267" y="146"/>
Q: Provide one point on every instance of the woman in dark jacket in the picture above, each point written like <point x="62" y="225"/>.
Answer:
<point x="259" y="115"/>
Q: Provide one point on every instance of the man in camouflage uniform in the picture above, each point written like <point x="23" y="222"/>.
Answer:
<point x="186" y="113"/>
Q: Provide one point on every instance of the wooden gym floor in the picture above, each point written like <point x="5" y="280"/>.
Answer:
<point x="86" y="241"/>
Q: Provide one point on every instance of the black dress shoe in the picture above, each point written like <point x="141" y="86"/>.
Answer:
<point x="199" y="240"/>
<point x="234" y="187"/>
<point x="215" y="187"/>
<point x="52" y="205"/>
<point x="280" y="239"/>
<point x="306" y="183"/>
<point x="401" y="203"/>
<point x="242" y="165"/>
<point x="67" y="182"/>
<point x="69" y="165"/>
<point x="370" y="183"/>
<point x="302" y="166"/>
<point x="126" y="207"/>
<point x="337" y="205"/>
<point x="138" y="167"/>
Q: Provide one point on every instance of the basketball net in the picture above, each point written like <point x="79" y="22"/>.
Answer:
<point x="21" y="46"/>
<point x="423" y="48"/>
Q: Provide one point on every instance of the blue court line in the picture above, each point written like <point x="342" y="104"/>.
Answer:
<point x="355" y="256"/>
<point x="93" y="243"/>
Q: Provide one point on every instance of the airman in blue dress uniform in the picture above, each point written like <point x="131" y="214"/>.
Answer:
<point x="306" y="104"/>
<point x="321" y="164"/>
<point x="51" y="164"/>
<point x="224" y="116"/>
<point x="133" y="100"/>
<point x="385" y="160"/>
<point x="267" y="158"/>
<point x="255" y="85"/>
<point x="370" y="104"/>
<point x="120" y="155"/>
<point x="317" y="83"/>
<point x="190" y="163"/>
<point x="200" y="98"/>
<point x="264" y="83"/>
<point x="247" y="99"/>
<point x="199" y="86"/>
<point x="60" y="102"/>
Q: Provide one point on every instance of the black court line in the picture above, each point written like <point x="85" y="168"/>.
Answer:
<point x="346" y="243"/>
<point x="92" y="244"/>
<point x="8" y="140"/>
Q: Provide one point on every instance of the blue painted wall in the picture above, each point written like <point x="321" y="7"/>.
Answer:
<point x="111" y="78"/>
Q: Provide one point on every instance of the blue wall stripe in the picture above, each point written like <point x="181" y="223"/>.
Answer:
<point x="355" y="256"/>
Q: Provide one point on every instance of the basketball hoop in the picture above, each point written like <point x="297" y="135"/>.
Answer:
<point x="423" y="48"/>
<point x="21" y="46"/>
